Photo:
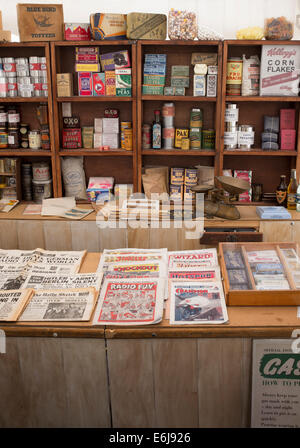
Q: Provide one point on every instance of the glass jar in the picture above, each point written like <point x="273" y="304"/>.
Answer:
<point x="13" y="115"/>
<point x="13" y="138"/>
<point x="35" y="139"/>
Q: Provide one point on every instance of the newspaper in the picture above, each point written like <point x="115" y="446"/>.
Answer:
<point x="12" y="277"/>
<point x="152" y="269"/>
<point x="39" y="281"/>
<point x="69" y="261"/>
<point x="197" y="303"/>
<point x="6" y="205"/>
<point x="188" y="258"/>
<point x="130" y="255"/>
<point x="130" y="302"/>
<point x="12" y="303"/>
<point x="60" y="305"/>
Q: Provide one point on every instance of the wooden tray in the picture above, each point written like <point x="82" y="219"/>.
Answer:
<point x="254" y="297"/>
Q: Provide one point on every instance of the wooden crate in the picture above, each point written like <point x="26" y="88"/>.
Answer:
<point x="254" y="297"/>
<point x="40" y="22"/>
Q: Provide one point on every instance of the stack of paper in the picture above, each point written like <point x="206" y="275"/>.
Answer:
<point x="265" y="212"/>
<point x="64" y="208"/>
<point x="195" y="288"/>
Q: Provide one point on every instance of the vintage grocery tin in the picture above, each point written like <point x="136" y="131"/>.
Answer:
<point x="146" y="26"/>
<point x="108" y="26"/>
<point x="77" y="31"/>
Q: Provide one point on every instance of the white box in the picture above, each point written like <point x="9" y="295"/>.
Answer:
<point x="280" y="70"/>
<point x="98" y="125"/>
<point x="199" y="85"/>
<point x="111" y="140"/>
<point x="110" y="125"/>
<point x="98" y="140"/>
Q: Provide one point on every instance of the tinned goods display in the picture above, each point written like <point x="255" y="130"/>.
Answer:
<point x="168" y="115"/>
<point x="231" y="126"/>
<point x="251" y="75"/>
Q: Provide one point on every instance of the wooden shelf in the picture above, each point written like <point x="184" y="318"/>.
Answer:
<point x="244" y="42"/>
<point x="284" y="99"/>
<point x="178" y="98"/>
<point x="94" y="99"/>
<point x="14" y="153"/>
<point x="95" y="153"/>
<point x="178" y="152"/>
<point x="260" y="152"/>
<point x="33" y="99"/>
<point x="94" y="43"/>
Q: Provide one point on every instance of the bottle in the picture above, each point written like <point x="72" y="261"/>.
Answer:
<point x="291" y="192"/>
<point x="156" y="131"/>
<point x="281" y="192"/>
<point x="298" y="198"/>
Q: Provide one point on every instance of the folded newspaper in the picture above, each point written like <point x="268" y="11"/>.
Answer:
<point x="12" y="303"/>
<point x="130" y="302"/>
<point x="60" y="305"/>
<point x="39" y="281"/>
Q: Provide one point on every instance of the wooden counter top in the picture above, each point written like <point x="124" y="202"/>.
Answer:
<point x="244" y="322"/>
<point x="248" y="213"/>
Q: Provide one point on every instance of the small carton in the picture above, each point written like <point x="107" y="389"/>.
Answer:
<point x="110" y="83"/>
<point x="77" y="31"/>
<point x="180" y="70"/>
<point x="155" y="80"/>
<point x="152" y="90"/>
<point x="98" y="84"/>
<point x="111" y="140"/>
<point x="180" y="81"/>
<point x="199" y="85"/>
<point x="85" y="84"/>
<point x="98" y="125"/>
<point x="211" y="85"/>
<point x="97" y="140"/>
<point x="64" y="84"/>
<point x="179" y="134"/>
<point x="113" y="61"/>
<point x="288" y="139"/>
<point x="71" y="138"/>
<point x="287" y="118"/>
<point x="110" y="125"/>
<point x="87" y="67"/>
<point x="87" y="137"/>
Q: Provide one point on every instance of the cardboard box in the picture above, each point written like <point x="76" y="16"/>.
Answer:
<point x="279" y="70"/>
<point x="108" y="26"/>
<point x="287" y="118"/>
<point x="110" y="125"/>
<point x="288" y="139"/>
<point x="40" y="22"/>
<point x="110" y="83"/>
<point x="123" y="91"/>
<point x="180" y="70"/>
<point x="71" y="122"/>
<point x="146" y="26"/>
<point x="98" y="140"/>
<point x="211" y="85"/>
<point x="5" y="36"/>
<point x="116" y="60"/>
<point x="111" y="140"/>
<point x="180" y="81"/>
<point x="123" y="81"/>
<point x="64" y="84"/>
<point x="87" y="68"/>
<point x="85" y="84"/>
<point x="71" y="138"/>
<point x="98" y="84"/>
<point x="155" y="68"/>
<point x="199" y="85"/>
<point x="155" y="80"/>
<point x="152" y="90"/>
<point x="204" y="58"/>
<point x="87" y="137"/>
<point x="98" y="125"/>
<point x="77" y="31"/>
<point x="179" y="134"/>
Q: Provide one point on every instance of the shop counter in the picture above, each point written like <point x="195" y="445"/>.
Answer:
<point x="76" y="375"/>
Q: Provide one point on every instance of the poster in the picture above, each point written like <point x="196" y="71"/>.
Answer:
<point x="275" y="384"/>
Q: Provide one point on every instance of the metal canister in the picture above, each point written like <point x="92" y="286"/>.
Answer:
<point x="146" y="136"/>
<point x="168" y="115"/>
<point x="37" y="86"/>
<point x="128" y="139"/>
<point x="231" y="113"/>
<point x="3" y="87"/>
<point x="45" y="137"/>
<point x="245" y="136"/>
<point x="208" y="139"/>
<point x="185" y="144"/>
<point x="234" y="76"/>
<point x="231" y="138"/>
<point x="12" y="88"/>
<point x="168" y="138"/>
<point x="43" y="62"/>
<point x="9" y="66"/>
<point x="196" y="118"/>
<point x="34" y="64"/>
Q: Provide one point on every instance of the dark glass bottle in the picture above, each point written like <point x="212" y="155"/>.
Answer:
<point x="281" y="192"/>
<point x="156" y="131"/>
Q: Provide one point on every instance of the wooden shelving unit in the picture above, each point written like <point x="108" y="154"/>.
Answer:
<point x="178" y="53"/>
<point x="28" y="105"/>
<point x="120" y="164"/>
<point x="126" y="166"/>
<point x="267" y="166"/>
